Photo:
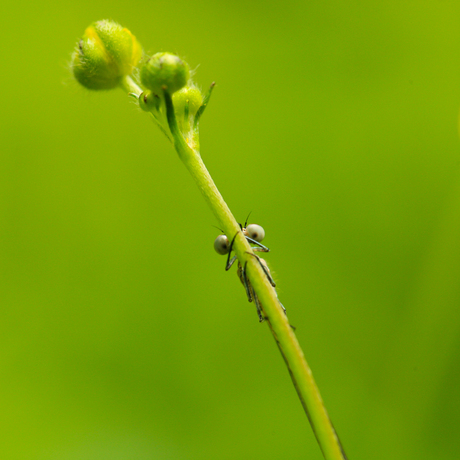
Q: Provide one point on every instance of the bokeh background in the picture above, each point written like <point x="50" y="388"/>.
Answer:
<point x="121" y="335"/>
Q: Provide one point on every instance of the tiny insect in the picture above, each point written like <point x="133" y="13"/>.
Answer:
<point x="254" y="234"/>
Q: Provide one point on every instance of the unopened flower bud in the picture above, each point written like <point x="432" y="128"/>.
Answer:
<point x="165" y="71"/>
<point x="148" y="101"/>
<point x="188" y="95"/>
<point x="106" y="53"/>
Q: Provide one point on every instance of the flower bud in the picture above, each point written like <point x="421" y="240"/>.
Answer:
<point x="106" y="53"/>
<point x="165" y="70"/>
<point x="190" y="95"/>
<point x="148" y="101"/>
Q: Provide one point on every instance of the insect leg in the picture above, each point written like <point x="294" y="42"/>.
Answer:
<point x="258" y="306"/>
<point x="247" y="286"/>
<point x="250" y="292"/>
<point x="282" y="306"/>
<point x="260" y="248"/>
<point x="230" y="262"/>
<point x="264" y="268"/>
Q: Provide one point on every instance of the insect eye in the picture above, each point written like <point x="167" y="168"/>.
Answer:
<point x="221" y="245"/>
<point x="256" y="232"/>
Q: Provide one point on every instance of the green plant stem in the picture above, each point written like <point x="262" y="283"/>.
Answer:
<point x="284" y="336"/>
<point x="128" y="85"/>
<point x="278" y="322"/>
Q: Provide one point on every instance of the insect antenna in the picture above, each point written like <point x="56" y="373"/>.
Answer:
<point x="247" y="218"/>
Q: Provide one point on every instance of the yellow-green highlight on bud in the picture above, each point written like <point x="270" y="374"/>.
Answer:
<point x="164" y="71"/>
<point x="149" y="101"/>
<point x="106" y="54"/>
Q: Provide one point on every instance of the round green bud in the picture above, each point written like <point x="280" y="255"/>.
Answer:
<point x="165" y="71"/>
<point x="190" y="95"/>
<point x="106" y="53"/>
<point x="148" y="101"/>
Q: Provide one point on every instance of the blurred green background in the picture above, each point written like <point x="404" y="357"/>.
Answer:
<point x="121" y="335"/>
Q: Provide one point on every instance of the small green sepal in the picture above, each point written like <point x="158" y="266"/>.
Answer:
<point x="105" y="55"/>
<point x="164" y="70"/>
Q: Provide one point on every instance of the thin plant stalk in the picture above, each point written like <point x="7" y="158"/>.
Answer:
<point x="283" y="334"/>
